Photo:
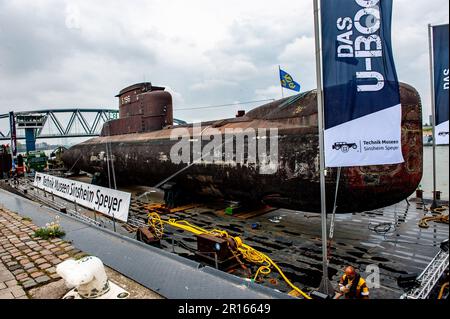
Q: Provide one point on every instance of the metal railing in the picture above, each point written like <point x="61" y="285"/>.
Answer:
<point x="48" y="200"/>
<point x="429" y="277"/>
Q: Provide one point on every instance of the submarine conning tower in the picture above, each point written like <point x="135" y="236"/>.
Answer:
<point x="142" y="108"/>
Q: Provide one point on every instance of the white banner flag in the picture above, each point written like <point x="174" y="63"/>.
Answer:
<point x="362" y="110"/>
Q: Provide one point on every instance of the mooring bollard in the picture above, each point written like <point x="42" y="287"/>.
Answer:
<point x="216" y="262"/>
<point x="437" y="194"/>
<point x="88" y="278"/>
<point x="419" y="193"/>
<point x="173" y="245"/>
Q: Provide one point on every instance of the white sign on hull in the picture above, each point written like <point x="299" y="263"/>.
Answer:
<point x="107" y="201"/>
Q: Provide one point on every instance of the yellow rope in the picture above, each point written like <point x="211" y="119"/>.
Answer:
<point x="257" y="257"/>
<point x="154" y="220"/>
<point x="423" y="223"/>
<point x="440" y="209"/>
<point x="441" y="292"/>
<point x="249" y="253"/>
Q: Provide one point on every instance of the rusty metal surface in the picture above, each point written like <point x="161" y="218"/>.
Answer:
<point x="144" y="159"/>
<point x="140" y="87"/>
<point x="142" y="108"/>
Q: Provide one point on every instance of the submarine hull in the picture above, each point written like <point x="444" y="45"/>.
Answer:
<point x="145" y="159"/>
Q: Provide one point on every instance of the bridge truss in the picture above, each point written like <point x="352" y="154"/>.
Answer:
<point x="88" y="122"/>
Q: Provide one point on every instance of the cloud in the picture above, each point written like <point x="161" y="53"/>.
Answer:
<point x="212" y="84"/>
<point x="268" y="92"/>
<point x="299" y="60"/>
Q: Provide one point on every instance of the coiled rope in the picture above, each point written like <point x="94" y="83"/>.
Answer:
<point x="441" y="218"/>
<point x="248" y="253"/>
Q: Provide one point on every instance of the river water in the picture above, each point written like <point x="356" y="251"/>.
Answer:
<point x="442" y="169"/>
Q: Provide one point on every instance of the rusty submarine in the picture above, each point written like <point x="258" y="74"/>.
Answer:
<point x="142" y="143"/>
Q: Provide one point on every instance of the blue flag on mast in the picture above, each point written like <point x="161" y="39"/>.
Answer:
<point x="441" y="82"/>
<point x="288" y="82"/>
<point x="362" y="110"/>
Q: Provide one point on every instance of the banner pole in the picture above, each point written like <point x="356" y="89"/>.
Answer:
<point x="108" y="155"/>
<point x="433" y="115"/>
<point x="12" y="129"/>
<point x="325" y="285"/>
<point x="279" y="79"/>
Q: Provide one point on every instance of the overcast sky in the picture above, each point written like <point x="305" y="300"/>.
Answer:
<point x="81" y="53"/>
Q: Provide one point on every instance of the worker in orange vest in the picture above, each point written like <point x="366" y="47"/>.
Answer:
<point x="352" y="285"/>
